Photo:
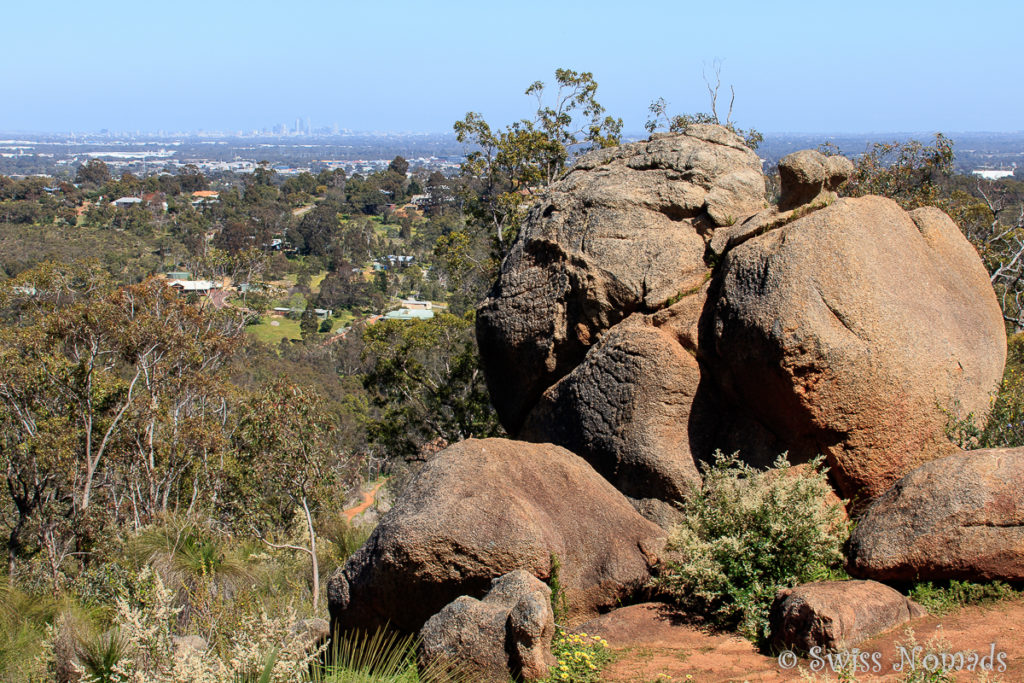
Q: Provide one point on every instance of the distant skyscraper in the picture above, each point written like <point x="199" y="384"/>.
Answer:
<point x="298" y="125"/>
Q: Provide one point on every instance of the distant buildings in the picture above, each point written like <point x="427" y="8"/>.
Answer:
<point x="993" y="174"/>
<point x="201" y="287"/>
<point x="416" y="305"/>
<point x="409" y="314"/>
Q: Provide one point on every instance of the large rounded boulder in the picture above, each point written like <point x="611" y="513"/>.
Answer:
<point x="855" y="331"/>
<point x="624" y="231"/>
<point x="961" y="517"/>
<point x="625" y="409"/>
<point x="481" y="509"/>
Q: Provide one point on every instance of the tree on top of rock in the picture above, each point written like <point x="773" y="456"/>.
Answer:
<point x="680" y="122"/>
<point x="510" y="164"/>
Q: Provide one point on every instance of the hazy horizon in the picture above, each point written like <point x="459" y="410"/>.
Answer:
<point x="409" y="67"/>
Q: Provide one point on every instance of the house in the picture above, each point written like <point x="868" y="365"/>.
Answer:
<point x="321" y="313"/>
<point x="127" y="202"/>
<point x="416" y="305"/>
<point x="156" y="200"/>
<point x="200" y="197"/>
<point x="201" y="287"/>
<point x="409" y="314"/>
<point x="399" y="260"/>
<point x="992" y="173"/>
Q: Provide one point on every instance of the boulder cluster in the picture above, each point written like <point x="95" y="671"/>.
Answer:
<point x="654" y="310"/>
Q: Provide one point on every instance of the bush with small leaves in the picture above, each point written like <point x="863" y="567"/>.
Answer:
<point x="746" y="534"/>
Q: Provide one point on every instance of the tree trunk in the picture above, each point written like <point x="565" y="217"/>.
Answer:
<point x="312" y="555"/>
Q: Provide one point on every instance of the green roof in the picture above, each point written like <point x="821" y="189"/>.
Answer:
<point x="409" y="314"/>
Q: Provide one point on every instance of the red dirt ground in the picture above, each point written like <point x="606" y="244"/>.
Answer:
<point x="368" y="498"/>
<point x="652" y="646"/>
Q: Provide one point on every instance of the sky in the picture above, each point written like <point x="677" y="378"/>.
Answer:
<point x="859" y="67"/>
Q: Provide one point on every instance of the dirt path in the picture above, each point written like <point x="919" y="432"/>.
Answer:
<point x="368" y="499"/>
<point x="652" y="647"/>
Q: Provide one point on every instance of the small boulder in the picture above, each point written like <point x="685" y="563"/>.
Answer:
<point x="507" y="633"/>
<point x="810" y="177"/>
<point x="483" y="508"/>
<point x="836" y="615"/>
<point x="961" y="517"/>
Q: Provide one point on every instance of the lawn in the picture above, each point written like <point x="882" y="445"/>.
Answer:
<point x="265" y="331"/>
<point x="314" y="282"/>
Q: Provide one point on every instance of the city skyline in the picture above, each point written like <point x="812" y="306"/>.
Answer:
<point x="405" y="66"/>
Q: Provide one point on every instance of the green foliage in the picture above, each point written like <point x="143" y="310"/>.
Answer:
<point x="916" y="671"/>
<point x="196" y="562"/>
<point x="511" y="164"/>
<point x="659" y="116"/>
<point x="105" y="380"/>
<point x="308" y="324"/>
<point x="580" y="658"/>
<point x="287" y="468"/>
<point x="24" y="618"/>
<point x="93" y="173"/>
<point x="910" y="173"/>
<point x="1004" y="427"/>
<point x="559" y="599"/>
<point x="384" y="657"/>
<point x="426" y="381"/>
<point x="678" y="123"/>
<point x="745" y="535"/>
<point x="344" y="536"/>
<point x="942" y="599"/>
<point x="99" y="656"/>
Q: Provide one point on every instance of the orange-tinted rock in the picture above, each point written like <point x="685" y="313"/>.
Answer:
<point x="625" y="409"/>
<point x="836" y="615"/>
<point x="508" y="633"/>
<point x="481" y="509"/>
<point x="961" y="517"/>
<point x="849" y="332"/>
<point x="623" y="231"/>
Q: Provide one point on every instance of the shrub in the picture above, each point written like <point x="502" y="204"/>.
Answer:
<point x="943" y="599"/>
<point x="748" y="533"/>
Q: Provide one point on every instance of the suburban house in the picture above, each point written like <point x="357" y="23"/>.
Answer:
<point x="201" y="287"/>
<point x="416" y="305"/>
<point x="156" y="200"/>
<point x="126" y="202"/>
<point x="205" y="197"/>
<point x="409" y="314"/>
<point x="399" y="260"/>
<point x="321" y="313"/>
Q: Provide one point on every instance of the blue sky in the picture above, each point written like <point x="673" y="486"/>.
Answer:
<point x="418" y="66"/>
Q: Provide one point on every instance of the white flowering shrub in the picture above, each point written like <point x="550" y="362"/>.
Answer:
<point x="141" y="647"/>
<point x="746" y="534"/>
